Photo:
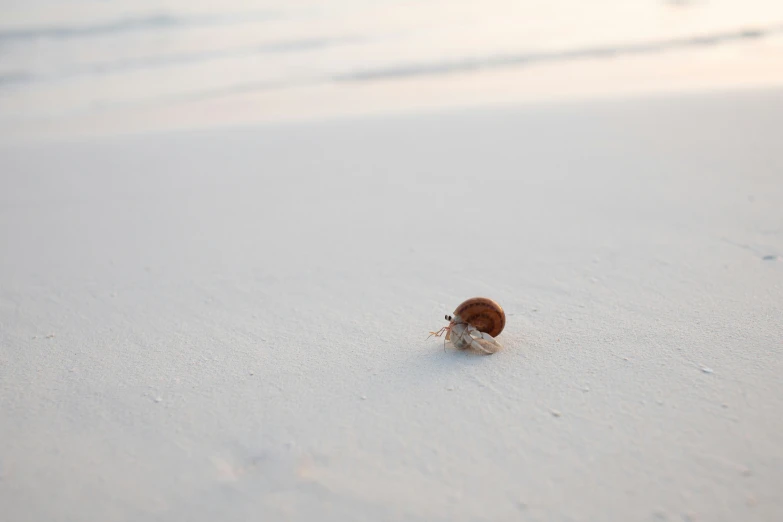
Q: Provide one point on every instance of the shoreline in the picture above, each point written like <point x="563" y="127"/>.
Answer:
<point x="747" y="65"/>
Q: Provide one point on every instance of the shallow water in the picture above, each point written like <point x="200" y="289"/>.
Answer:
<point x="62" y="60"/>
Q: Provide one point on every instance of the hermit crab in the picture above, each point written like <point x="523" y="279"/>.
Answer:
<point x="474" y="326"/>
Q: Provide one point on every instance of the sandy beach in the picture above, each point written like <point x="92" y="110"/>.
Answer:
<point x="227" y="229"/>
<point x="232" y="324"/>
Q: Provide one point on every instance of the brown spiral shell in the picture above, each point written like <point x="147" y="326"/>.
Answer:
<point x="483" y="313"/>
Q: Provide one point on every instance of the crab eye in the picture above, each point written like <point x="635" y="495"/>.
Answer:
<point x="448" y="318"/>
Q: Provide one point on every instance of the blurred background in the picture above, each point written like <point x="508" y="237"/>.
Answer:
<point x="95" y="67"/>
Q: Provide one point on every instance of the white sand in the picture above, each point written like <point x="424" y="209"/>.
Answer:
<point x="230" y="325"/>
